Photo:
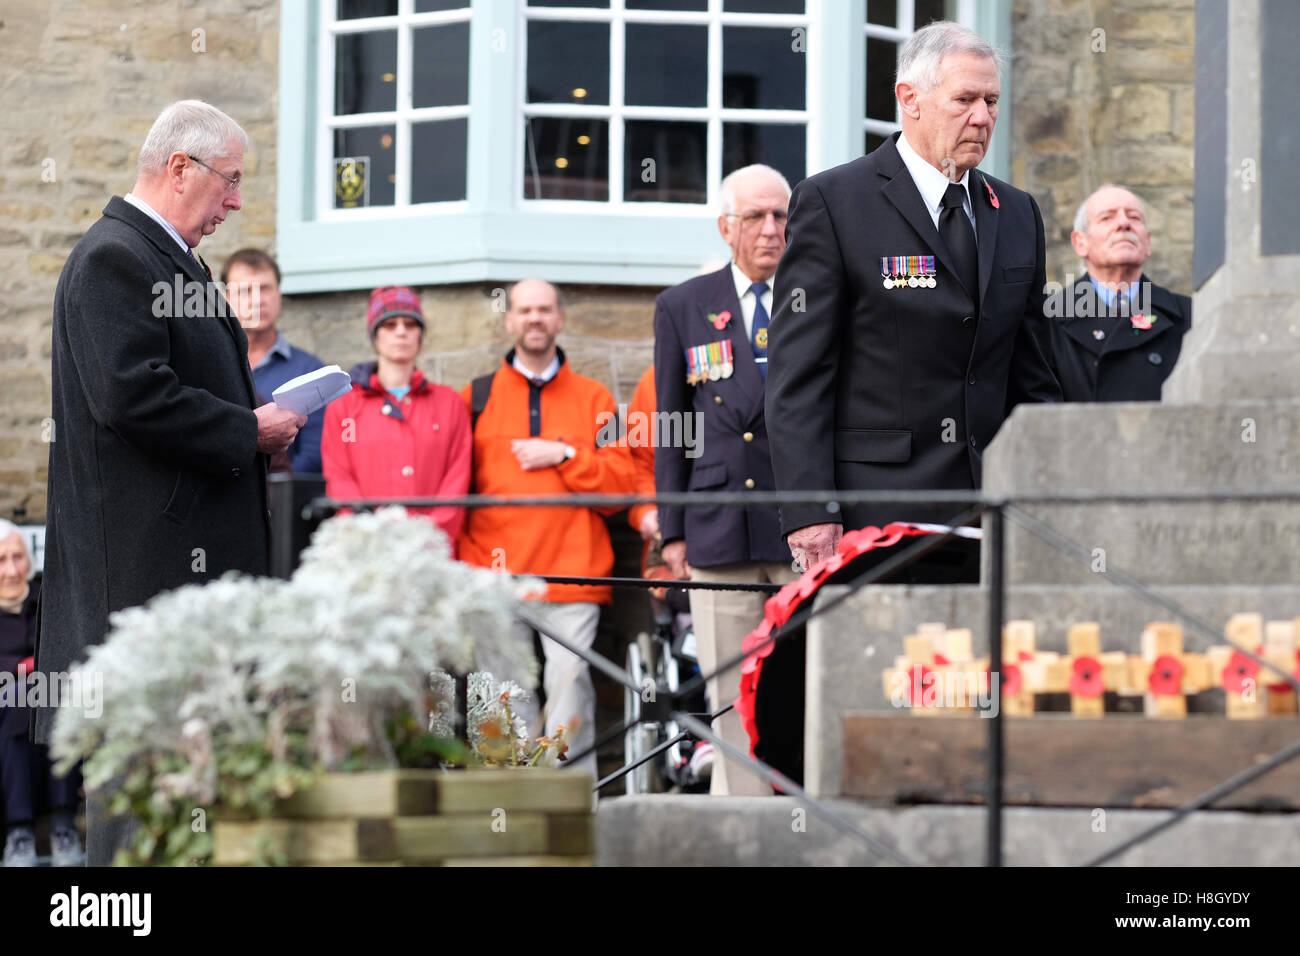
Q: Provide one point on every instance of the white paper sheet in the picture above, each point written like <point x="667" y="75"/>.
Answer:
<point x="314" y="390"/>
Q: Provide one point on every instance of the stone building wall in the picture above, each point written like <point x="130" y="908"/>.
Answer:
<point x="83" y="81"/>
<point x="1103" y="92"/>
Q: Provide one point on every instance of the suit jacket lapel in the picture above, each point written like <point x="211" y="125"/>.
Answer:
<point x="900" y="189"/>
<point x="986" y="224"/>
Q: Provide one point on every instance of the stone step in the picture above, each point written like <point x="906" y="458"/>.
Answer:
<point x="681" y="830"/>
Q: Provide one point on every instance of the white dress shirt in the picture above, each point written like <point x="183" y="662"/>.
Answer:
<point x="932" y="183"/>
<point x="149" y="211"/>
<point x="747" y="299"/>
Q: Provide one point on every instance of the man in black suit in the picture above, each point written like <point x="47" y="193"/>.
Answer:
<point x="158" y="470"/>
<point x="907" y="309"/>
<point x="711" y="348"/>
<point x="1115" y="334"/>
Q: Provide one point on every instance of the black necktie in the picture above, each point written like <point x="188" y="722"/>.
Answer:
<point x="958" y="235"/>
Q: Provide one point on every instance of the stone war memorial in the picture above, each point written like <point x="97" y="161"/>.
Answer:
<point x="1134" y="533"/>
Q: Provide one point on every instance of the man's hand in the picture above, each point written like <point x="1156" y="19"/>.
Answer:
<point x="674" y="554"/>
<point x="276" y="428"/>
<point x="815" y="543"/>
<point x="535" y="453"/>
<point x="649" y="524"/>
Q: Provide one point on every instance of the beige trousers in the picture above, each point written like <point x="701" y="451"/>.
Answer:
<point x="723" y="619"/>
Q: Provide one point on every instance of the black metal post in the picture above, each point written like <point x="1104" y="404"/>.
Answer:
<point x="993" y="540"/>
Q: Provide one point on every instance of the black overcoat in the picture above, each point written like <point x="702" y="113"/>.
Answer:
<point x="155" y="478"/>
<point x="1108" y="358"/>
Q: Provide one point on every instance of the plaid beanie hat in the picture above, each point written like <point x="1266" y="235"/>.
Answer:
<point x="390" y="301"/>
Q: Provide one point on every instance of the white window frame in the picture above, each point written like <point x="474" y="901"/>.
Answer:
<point x="401" y="117"/>
<point x="497" y="235"/>
<point x="712" y="114"/>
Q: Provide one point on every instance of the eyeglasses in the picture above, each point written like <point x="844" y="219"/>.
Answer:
<point x="232" y="182"/>
<point x="754" y="219"/>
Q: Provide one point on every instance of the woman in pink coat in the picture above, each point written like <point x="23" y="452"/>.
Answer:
<point x="396" y="433"/>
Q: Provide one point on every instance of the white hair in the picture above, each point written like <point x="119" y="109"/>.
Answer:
<point x="727" y="189"/>
<point x="192" y="127"/>
<point x="7" y="529"/>
<point x="1081" y="217"/>
<point x="921" y="55"/>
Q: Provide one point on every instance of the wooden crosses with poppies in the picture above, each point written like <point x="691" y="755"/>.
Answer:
<point x="1157" y="681"/>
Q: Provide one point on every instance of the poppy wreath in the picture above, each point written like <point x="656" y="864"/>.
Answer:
<point x="775" y="749"/>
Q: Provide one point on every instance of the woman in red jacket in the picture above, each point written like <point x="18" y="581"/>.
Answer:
<point x="396" y="434"/>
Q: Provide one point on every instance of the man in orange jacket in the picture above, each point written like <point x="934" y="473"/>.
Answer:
<point x="537" y="435"/>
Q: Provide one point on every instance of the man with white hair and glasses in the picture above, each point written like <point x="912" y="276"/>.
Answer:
<point x="158" y="467"/>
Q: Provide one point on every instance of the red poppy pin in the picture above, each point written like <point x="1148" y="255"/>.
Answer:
<point x="719" y="319"/>
<point x="1141" y="322"/>
<point x="1166" y="675"/>
<point x="919" y="681"/>
<point x="1239" y="670"/>
<point x="1085" y="681"/>
<point x="1011" y="680"/>
<point x="993" y="197"/>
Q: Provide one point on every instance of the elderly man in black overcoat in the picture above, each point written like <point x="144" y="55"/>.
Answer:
<point x="158" y="464"/>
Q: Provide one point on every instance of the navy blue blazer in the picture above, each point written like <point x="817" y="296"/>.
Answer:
<point x="732" y="444"/>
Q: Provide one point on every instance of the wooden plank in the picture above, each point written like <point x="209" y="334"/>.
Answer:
<point x="1084" y="639"/>
<point x="1017" y="636"/>
<point x="381" y="793"/>
<point x="1114" y="670"/>
<point x="958" y="644"/>
<point x="1061" y="761"/>
<point x="919" y="649"/>
<point x="1161" y="638"/>
<point x="425" y="839"/>
<point x="240" y="842"/>
<point x="531" y="788"/>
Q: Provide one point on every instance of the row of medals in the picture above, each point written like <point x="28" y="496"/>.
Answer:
<point x="715" y="372"/>
<point x="897" y="281"/>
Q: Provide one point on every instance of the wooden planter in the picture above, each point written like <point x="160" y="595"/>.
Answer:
<point x="527" y="817"/>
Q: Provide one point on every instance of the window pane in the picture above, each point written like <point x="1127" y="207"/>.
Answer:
<point x="355" y="9"/>
<point x="666" y="65"/>
<point x="781" y="147"/>
<point x="440" y="66"/>
<point x="664" y="162"/>
<point x="438" y="152"/>
<point x="568" y="62"/>
<point x="872" y="141"/>
<point x="368" y="182"/>
<point x="566" y="159"/>
<point x="762" y="6"/>
<point x="365" y="72"/>
<point x="689" y="5"/>
<point x="434" y="6"/>
<point x="882" y="13"/>
<point x="927" y="11"/>
<point x="761" y="70"/>
<point x="568" y="3"/>
<point x="882" y="65"/>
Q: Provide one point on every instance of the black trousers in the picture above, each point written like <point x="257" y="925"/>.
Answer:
<point x="26" y="776"/>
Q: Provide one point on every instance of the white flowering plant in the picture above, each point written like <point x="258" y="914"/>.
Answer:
<point x="241" y="691"/>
